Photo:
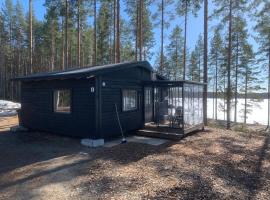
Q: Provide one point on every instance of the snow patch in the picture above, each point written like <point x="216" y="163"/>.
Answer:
<point x="8" y="108"/>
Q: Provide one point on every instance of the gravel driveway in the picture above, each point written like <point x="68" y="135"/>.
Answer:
<point x="215" y="164"/>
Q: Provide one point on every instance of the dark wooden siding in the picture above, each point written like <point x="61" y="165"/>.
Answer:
<point x="37" y="107"/>
<point x="111" y="94"/>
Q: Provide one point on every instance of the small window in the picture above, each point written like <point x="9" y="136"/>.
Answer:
<point x="130" y="99"/>
<point x="62" y="101"/>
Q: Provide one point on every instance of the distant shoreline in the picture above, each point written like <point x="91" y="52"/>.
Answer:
<point x="242" y="96"/>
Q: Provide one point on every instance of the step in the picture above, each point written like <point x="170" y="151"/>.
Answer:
<point x="157" y="134"/>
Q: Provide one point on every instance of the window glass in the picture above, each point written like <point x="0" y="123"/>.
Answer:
<point x="62" y="101"/>
<point x="129" y="100"/>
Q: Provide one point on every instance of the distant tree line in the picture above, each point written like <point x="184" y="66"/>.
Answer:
<point x="80" y="33"/>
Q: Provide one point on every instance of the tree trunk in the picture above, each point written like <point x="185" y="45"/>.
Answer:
<point x="229" y="70"/>
<point x="118" y="33"/>
<point x="52" y="44"/>
<point x="268" y="121"/>
<point x="213" y="101"/>
<point x="114" y="31"/>
<point x="30" y="36"/>
<point x="185" y="42"/>
<point x="162" y="34"/>
<point x="63" y="46"/>
<point x="137" y="30"/>
<point x="95" y="34"/>
<point x="111" y="36"/>
<point x="79" y="35"/>
<point x="224" y="96"/>
<point x="66" y="35"/>
<point x="216" y="95"/>
<point x="245" y="106"/>
<point x="199" y="68"/>
<point x="236" y="79"/>
<point x="176" y="57"/>
<point x="141" y="29"/>
<point x="205" y="58"/>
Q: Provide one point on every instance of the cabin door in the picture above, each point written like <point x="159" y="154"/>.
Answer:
<point x="148" y="104"/>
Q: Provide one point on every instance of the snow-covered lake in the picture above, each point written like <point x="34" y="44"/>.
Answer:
<point x="8" y="108"/>
<point x="258" y="115"/>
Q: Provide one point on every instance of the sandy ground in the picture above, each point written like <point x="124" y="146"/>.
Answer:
<point x="214" y="164"/>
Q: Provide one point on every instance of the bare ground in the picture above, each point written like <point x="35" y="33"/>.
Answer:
<point x="214" y="164"/>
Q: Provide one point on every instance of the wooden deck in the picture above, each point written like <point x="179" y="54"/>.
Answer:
<point x="161" y="131"/>
<point x="166" y="132"/>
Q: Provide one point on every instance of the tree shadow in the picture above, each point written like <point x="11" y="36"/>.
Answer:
<point x="258" y="171"/>
<point x="25" y="148"/>
<point x="199" y="189"/>
<point x="22" y="149"/>
<point x="245" y="174"/>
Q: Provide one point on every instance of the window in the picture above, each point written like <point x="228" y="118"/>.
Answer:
<point x="147" y="96"/>
<point x="62" y="101"/>
<point x="130" y="100"/>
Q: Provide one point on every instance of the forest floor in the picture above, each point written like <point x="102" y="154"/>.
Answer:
<point x="215" y="164"/>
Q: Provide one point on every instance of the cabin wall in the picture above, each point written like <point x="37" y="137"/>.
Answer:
<point x="111" y="94"/>
<point x="37" y="107"/>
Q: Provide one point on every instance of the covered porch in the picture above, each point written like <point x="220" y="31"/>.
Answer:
<point x="172" y="108"/>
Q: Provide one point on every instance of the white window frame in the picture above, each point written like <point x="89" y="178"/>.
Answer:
<point x="129" y="100"/>
<point x="56" y="101"/>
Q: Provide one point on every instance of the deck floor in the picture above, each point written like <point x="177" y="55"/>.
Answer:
<point x="161" y="131"/>
<point x="164" y="131"/>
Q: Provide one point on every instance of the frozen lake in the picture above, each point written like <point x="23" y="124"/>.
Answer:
<point x="258" y="114"/>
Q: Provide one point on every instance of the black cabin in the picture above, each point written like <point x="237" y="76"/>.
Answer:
<point x="85" y="102"/>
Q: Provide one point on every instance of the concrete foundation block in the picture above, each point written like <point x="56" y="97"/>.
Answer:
<point x="92" y="143"/>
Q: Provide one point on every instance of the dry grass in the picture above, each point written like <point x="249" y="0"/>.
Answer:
<point x="215" y="164"/>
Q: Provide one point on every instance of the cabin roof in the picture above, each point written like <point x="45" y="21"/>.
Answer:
<point x="84" y="72"/>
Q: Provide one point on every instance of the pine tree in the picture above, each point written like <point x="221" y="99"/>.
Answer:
<point x="215" y="65"/>
<point x="2" y="57"/>
<point x="184" y="7"/>
<point x="103" y="33"/>
<point x="199" y="51"/>
<point x="51" y="22"/>
<point x="95" y="33"/>
<point x="117" y="50"/>
<point x="161" y="20"/>
<point x="205" y="62"/>
<point x="263" y="29"/>
<point x="30" y="36"/>
<point x="196" y="61"/>
<point x="146" y="34"/>
<point x="193" y="73"/>
<point x="66" y="33"/>
<point x="79" y="33"/>
<point x="19" y="36"/>
<point x="174" y="54"/>
<point x="226" y="11"/>
<point x="240" y="41"/>
<point x="250" y="81"/>
<point x="8" y="21"/>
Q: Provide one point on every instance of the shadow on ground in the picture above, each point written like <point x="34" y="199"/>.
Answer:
<point x="206" y="165"/>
